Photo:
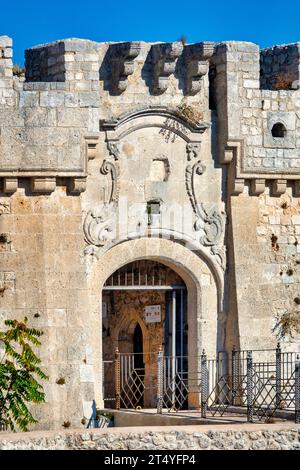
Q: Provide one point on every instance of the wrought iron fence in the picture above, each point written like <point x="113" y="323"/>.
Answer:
<point x="263" y="387"/>
<point x="260" y="382"/>
<point x="157" y="381"/>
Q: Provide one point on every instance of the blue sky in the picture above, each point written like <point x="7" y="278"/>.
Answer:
<point x="31" y="22"/>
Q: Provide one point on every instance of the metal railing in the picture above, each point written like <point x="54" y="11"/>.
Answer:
<point x="108" y="385"/>
<point x="158" y="381"/>
<point x="261" y="382"/>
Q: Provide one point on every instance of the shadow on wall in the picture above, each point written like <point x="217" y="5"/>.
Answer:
<point x="96" y="419"/>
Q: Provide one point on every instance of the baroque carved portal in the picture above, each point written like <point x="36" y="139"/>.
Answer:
<point x="100" y="225"/>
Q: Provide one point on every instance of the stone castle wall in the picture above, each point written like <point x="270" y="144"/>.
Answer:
<point x="95" y="133"/>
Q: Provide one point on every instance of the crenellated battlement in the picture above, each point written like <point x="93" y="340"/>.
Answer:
<point x="65" y="60"/>
<point x="81" y="60"/>
<point x="5" y="57"/>
<point x="76" y="59"/>
<point x="6" y="70"/>
<point x="70" y="85"/>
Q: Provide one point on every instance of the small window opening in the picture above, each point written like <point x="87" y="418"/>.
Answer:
<point x="153" y="210"/>
<point x="278" y="130"/>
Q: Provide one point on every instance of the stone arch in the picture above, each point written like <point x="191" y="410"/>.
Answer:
<point x="128" y="322"/>
<point x="278" y="130"/>
<point x="204" y="319"/>
<point x="191" y="244"/>
<point x="156" y="116"/>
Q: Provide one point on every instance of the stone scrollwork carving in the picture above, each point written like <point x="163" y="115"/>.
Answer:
<point x="208" y="217"/>
<point x="192" y="149"/>
<point x="198" y="168"/>
<point x="220" y="253"/>
<point x="114" y="149"/>
<point x="99" y="226"/>
<point x="114" y="170"/>
<point x="211" y="221"/>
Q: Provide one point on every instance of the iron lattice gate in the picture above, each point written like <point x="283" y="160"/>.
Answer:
<point x="132" y="381"/>
<point x="255" y="387"/>
<point x="167" y="383"/>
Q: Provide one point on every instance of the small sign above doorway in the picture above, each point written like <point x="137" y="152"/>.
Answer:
<point x="153" y="314"/>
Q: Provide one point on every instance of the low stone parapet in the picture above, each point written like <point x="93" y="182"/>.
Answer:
<point x="212" y="437"/>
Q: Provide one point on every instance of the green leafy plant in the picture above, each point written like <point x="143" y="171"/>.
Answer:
<point x="19" y="367"/>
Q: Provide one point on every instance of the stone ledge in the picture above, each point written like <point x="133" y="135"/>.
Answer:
<point x="205" y="437"/>
<point x="44" y="184"/>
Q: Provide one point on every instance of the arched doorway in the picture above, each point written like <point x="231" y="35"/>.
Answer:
<point x="145" y="312"/>
<point x="204" y="283"/>
<point x="139" y="364"/>
<point x="138" y="345"/>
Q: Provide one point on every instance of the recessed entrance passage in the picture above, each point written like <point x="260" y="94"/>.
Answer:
<point x="144" y="311"/>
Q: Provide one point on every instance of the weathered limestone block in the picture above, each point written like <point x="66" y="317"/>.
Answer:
<point x="258" y="186"/>
<point x="10" y="185"/>
<point x="77" y="185"/>
<point x="279" y="187"/>
<point x="161" y="438"/>
<point x="5" y="57"/>
<point x="43" y="185"/>
<point x="164" y="57"/>
<point x="122" y="57"/>
<point x="196" y="61"/>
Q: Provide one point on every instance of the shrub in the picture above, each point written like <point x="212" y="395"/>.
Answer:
<point x="191" y="113"/>
<point x="61" y="381"/>
<point x="288" y="324"/>
<point x="283" y="81"/>
<point x="19" y="367"/>
<point x="18" y="70"/>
